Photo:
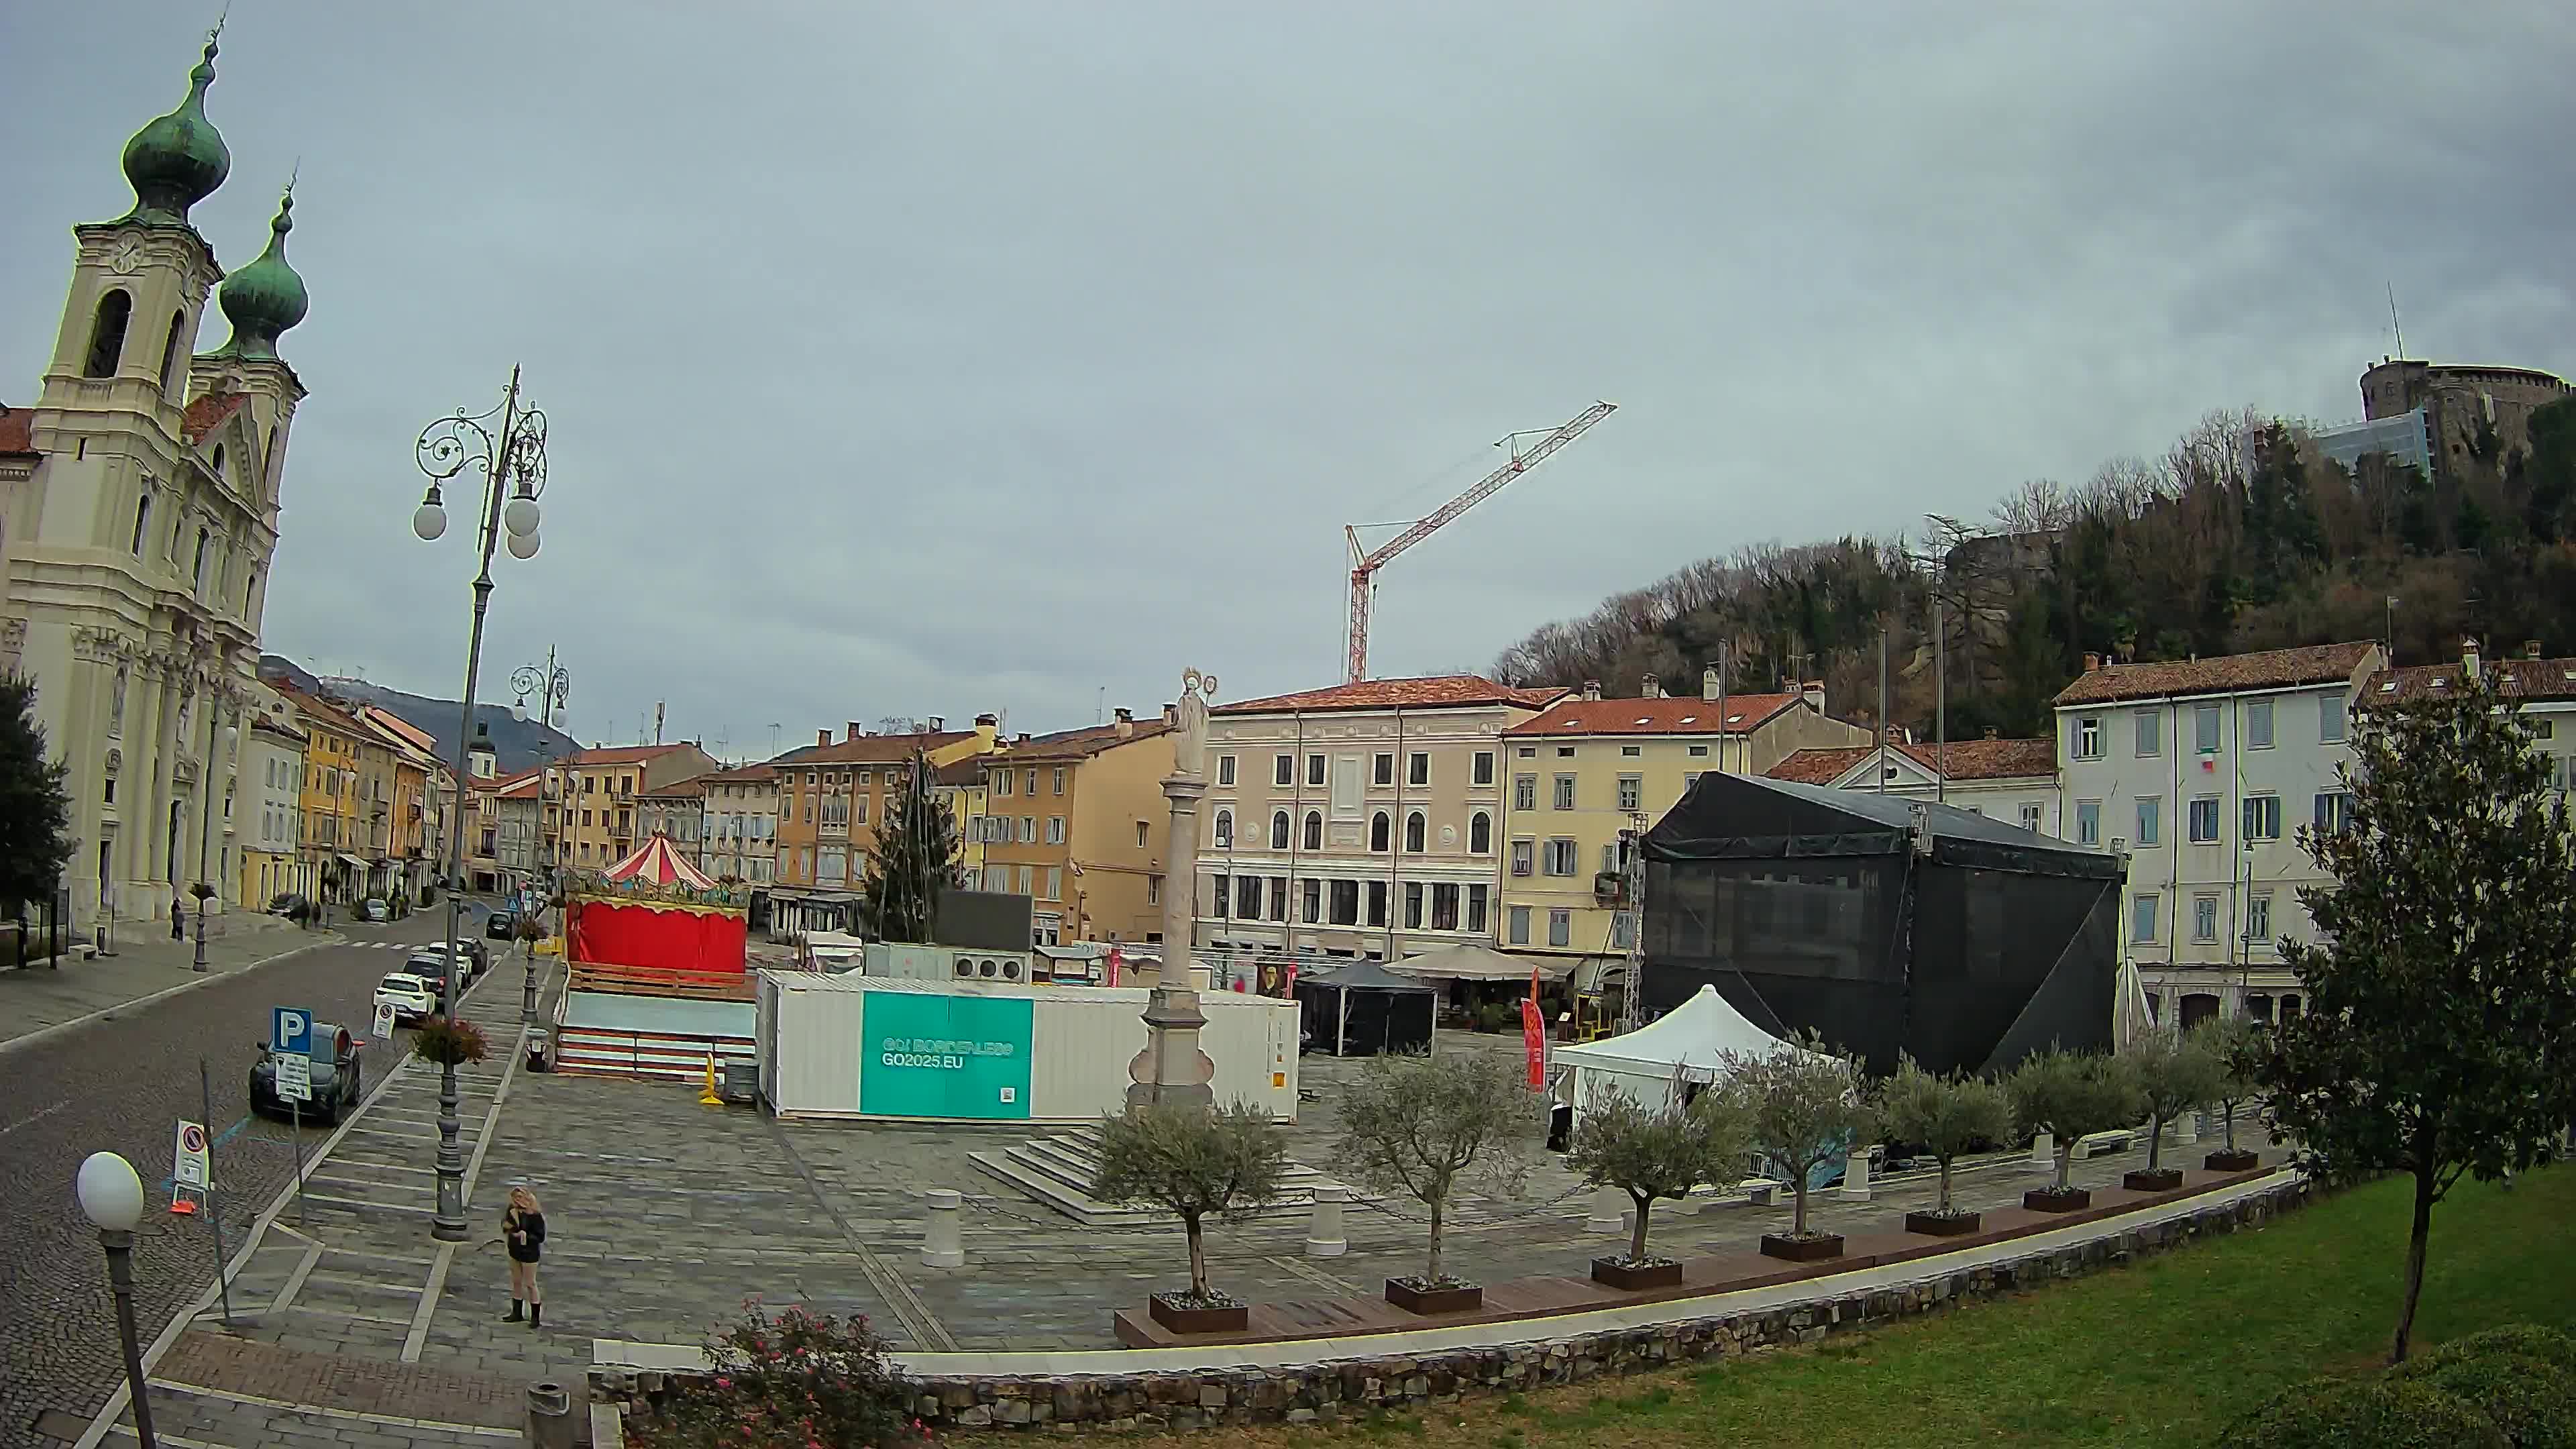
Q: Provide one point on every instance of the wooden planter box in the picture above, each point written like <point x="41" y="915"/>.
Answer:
<point x="1179" y="1319"/>
<point x="2050" y="1200"/>
<point x="1802" y="1250"/>
<point x="2239" y="1160"/>
<point x="1615" y="1274"/>
<point x="1939" y="1225"/>
<point x="2162" y="1179"/>
<point x="1458" y="1298"/>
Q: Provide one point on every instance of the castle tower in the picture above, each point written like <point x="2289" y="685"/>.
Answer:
<point x="137" y="548"/>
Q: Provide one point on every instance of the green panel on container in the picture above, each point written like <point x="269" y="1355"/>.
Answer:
<point x="946" y="1056"/>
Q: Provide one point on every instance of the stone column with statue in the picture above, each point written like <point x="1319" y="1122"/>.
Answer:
<point x="1172" y="1069"/>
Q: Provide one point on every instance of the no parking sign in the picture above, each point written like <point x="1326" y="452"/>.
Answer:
<point x="189" y="1160"/>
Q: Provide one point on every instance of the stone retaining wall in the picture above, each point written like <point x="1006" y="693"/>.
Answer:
<point x="1306" y="1392"/>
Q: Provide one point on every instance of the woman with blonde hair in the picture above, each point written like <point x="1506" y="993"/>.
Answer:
<point x="523" y="1228"/>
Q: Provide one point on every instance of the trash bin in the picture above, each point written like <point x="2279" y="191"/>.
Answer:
<point x="738" y="1081"/>
<point x="540" y="1048"/>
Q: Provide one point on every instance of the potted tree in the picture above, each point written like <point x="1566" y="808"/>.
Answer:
<point x="1652" y="1153"/>
<point x="2234" y="1043"/>
<point x="1946" y="1117"/>
<point x="2175" y="1073"/>
<point x="2071" y="1095"/>
<point x="1804" y="1107"/>
<point x="1418" y="1125"/>
<point x="1192" y="1163"/>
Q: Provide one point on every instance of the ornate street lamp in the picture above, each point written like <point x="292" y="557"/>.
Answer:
<point x="513" y="465"/>
<point x="552" y="685"/>
<point x="111" y="1197"/>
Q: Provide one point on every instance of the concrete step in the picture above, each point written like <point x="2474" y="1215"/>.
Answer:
<point x="1057" y="1170"/>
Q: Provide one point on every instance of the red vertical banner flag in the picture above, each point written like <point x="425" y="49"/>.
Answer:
<point x="1534" y="1035"/>
<point x="1116" y="960"/>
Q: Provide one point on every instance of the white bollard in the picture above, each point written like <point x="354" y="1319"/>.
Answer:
<point x="941" y="1247"/>
<point x="1855" y="1186"/>
<point x="1610" y="1209"/>
<point x="2187" y="1128"/>
<point x="1324" y="1235"/>
<point x="2043" y="1151"/>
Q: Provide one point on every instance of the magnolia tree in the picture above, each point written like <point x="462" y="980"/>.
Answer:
<point x="1652" y="1153"/>
<point x="1194" y="1164"/>
<point x="1420" y="1125"/>
<point x="1804" y="1106"/>
<point x="2174" y="1073"/>
<point x="2073" y="1095"/>
<point x="2441" y="1024"/>
<point x="1945" y="1116"/>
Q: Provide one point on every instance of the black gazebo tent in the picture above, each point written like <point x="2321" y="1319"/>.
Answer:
<point x="1363" y="1009"/>
<point x="1886" y="924"/>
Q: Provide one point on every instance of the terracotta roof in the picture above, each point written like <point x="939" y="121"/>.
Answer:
<point x="209" y="412"/>
<point x="320" y="709"/>
<point x="694" y="785"/>
<point x="17" y="431"/>
<point x="279" y="728"/>
<point x="876" y="749"/>
<point x="1436" y="691"/>
<point x="1967" y="760"/>
<point x="2269" y="669"/>
<point x="2521" y="678"/>
<point x="621" y="754"/>
<point x="522" y="786"/>
<point x="1666" y="716"/>
<point x="760" y="774"/>
<point x="1079" y="744"/>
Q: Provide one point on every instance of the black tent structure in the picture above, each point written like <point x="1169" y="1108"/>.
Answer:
<point x="1363" y="1009"/>
<point x="1884" y="924"/>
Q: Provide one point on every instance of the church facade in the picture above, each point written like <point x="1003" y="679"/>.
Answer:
<point x="139" y="517"/>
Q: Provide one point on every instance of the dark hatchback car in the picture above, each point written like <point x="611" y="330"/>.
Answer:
<point x="498" y="928"/>
<point x="338" y="1082"/>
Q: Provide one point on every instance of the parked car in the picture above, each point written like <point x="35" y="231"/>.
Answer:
<point x="338" y="1082"/>
<point x="412" y="998"/>
<point x="374" y="909"/>
<point x="431" y="967"/>
<point x="478" y="957"/>
<point x="500" y="925"/>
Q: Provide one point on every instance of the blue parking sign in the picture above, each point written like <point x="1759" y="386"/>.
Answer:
<point x="290" y="1029"/>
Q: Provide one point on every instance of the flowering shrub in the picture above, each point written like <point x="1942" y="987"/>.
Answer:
<point x="449" y="1043"/>
<point x="796" y="1380"/>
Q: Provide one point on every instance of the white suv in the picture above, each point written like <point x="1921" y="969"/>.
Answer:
<point x="409" y="996"/>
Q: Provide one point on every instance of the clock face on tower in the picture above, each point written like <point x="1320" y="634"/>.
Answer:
<point x="127" y="256"/>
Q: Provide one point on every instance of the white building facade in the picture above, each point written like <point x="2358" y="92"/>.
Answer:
<point x="2201" y="772"/>
<point x="741" y="808"/>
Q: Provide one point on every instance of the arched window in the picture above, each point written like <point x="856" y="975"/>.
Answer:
<point x="219" y="460"/>
<point x="170" y="350"/>
<point x="1413" y="833"/>
<point x="198" y="572"/>
<point x="142" y="517"/>
<point x="1224" y="829"/>
<point x="107" y="334"/>
<point x="1278" y="830"/>
<point x="1379" y="826"/>
<point x="1480" y="834"/>
<point x="1314" y="830"/>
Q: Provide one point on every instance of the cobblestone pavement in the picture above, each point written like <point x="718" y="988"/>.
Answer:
<point x="663" y="1215"/>
<point x="122" y="1083"/>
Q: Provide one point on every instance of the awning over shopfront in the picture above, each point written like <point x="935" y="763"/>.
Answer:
<point x="1470" y="962"/>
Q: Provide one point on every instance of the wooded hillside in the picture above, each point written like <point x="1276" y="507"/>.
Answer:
<point x="2241" y="536"/>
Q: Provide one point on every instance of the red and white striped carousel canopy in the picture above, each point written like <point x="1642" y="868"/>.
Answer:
<point x="656" y="863"/>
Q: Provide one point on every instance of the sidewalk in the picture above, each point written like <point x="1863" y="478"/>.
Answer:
<point x="34" y="999"/>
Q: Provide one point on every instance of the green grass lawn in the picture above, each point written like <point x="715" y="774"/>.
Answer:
<point x="2160" y="1353"/>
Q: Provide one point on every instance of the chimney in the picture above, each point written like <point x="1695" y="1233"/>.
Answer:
<point x="2092" y="663"/>
<point x="1591" y="689"/>
<point x="854" y="731"/>
<point x="1990" y="732"/>
<point x="1172" y="715"/>
<point x="1651" y="688"/>
<point x="988" y="729"/>
<point x="1813" y="692"/>
<point x="1708" y="685"/>
<point x="2530" y="648"/>
<point x="938" y="724"/>
<point x="1023" y="739"/>
<point x="2468" y="657"/>
<point x="1126" y="724"/>
<point x="822" y="737"/>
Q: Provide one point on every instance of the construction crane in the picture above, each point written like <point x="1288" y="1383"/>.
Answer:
<point x="1365" y="564"/>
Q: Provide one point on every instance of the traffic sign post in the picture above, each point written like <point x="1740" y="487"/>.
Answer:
<point x="290" y="1029"/>
<point x="384" y="1021"/>
<point x="214" y="1205"/>
<point x="290" y="1040"/>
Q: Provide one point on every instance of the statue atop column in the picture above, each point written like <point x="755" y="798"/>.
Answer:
<point x="1189" y="738"/>
<point x="1172" y="1069"/>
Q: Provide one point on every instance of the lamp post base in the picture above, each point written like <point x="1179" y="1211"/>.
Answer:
<point x="120" y="1281"/>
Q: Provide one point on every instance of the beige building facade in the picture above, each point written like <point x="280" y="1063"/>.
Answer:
<point x="1362" y="820"/>
<point x="1077" y="822"/>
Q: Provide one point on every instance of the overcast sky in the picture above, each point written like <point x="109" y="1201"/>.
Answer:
<point x="933" y="358"/>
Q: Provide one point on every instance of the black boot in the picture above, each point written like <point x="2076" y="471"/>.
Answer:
<point x="536" y="1315"/>
<point x="514" y="1312"/>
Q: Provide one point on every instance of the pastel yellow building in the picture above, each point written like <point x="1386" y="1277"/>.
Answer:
<point x="1585" y="769"/>
<point x="329" y="837"/>
<point x="960" y="787"/>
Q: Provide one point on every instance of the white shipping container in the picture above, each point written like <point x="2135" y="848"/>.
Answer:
<point x="817" y="1059"/>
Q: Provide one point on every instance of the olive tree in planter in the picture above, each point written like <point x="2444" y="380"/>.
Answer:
<point x="1946" y="1117"/>
<point x="1804" y="1106"/>
<point x="1652" y="1153"/>
<point x="2071" y="1095"/>
<point x="1194" y="1164"/>
<point x="1420" y="1125"/>
<point x="2175" y="1073"/>
<point x="2235" y="1044"/>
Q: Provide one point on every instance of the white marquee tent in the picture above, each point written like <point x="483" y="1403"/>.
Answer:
<point x="1681" y="1046"/>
